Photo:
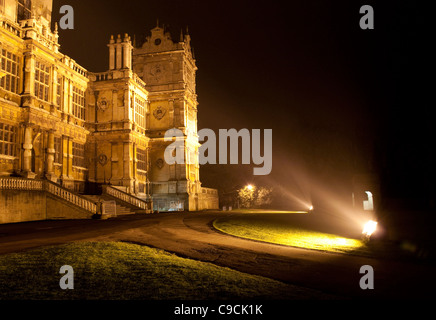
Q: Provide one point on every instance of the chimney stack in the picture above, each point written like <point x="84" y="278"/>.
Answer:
<point x="120" y="53"/>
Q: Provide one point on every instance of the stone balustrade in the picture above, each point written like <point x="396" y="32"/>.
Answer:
<point x="20" y="184"/>
<point x="69" y="196"/>
<point x="126" y="197"/>
<point x="11" y="27"/>
<point x="50" y="187"/>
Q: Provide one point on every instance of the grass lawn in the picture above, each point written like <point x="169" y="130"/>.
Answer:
<point x="124" y="271"/>
<point x="287" y="230"/>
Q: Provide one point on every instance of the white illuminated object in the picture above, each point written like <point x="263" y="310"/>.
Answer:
<point x="369" y="228"/>
<point x="311" y="208"/>
<point x="368" y="205"/>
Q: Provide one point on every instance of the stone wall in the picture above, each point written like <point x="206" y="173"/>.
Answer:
<point x="21" y="206"/>
<point x="208" y="199"/>
<point x="58" y="209"/>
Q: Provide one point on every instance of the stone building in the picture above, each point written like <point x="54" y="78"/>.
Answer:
<point x="70" y="138"/>
<point x="169" y="70"/>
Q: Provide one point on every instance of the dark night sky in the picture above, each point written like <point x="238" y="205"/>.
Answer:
<point x="339" y="99"/>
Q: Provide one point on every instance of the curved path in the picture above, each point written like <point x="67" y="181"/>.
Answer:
<point x="191" y="235"/>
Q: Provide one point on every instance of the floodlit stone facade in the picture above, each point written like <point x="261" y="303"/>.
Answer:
<point x="169" y="70"/>
<point x="76" y="131"/>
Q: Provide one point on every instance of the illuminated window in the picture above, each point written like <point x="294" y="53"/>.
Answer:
<point x="78" y="103"/>
<point x="78" y="155"/>
<point x="9" y="66"/>
<point x="24" y="9"/>
<point x="8" y="140"/>
<point x="140" y="112"/>
<point x="58" y="150"/>
<point x="60" y="92"/>
<point x="42" y="81"/>
<point x="141" y="156"/>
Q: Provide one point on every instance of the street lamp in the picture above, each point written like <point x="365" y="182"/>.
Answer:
<point x="246" y="195"/>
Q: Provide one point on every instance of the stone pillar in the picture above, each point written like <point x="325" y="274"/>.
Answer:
<point x="27" y="154"/>
<point x="171" y="113"/>
<point x="29" y="74"/>
<point x="127" y="52"/>
<point x="50" y="157"/>
<point x="135" y="161"/>
<point x="67" y="163"/>
<point x="134" y="169"/>
<point x="128" y="109"/>
<point x="147" y="117"/>
<point x="64" y="143"/>
<point x="65" y="96"/>
<point x="111" y="46"/>
<point x="70" y="158"/>
<point x="70" y="99"/>
<point x="147" y="179"/>
<point x="54" y="86"/>
<point x="127" y="169"/>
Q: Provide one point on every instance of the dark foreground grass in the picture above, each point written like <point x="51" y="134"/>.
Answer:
<point x="123" y="271"/>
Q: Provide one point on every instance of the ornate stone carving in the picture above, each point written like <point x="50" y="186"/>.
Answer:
<point x="157" y="71"/>
<point x="159" y="113"/>
<point x="160" y="163"/>
<point x="103" y="104"/>
<point x="102" y="159"/>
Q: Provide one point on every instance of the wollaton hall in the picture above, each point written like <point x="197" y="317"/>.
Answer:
<point x="72" y="140"/>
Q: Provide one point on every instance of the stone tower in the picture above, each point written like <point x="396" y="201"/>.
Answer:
<point x="169" y="69"/>
<point x="117" y="108"/>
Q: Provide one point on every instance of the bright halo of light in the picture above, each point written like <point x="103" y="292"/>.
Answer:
<point x="369" y="228"/>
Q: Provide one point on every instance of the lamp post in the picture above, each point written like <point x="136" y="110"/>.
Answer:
<point x="246" y="195"/>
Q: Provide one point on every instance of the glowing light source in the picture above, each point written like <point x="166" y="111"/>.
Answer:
<point x="250" y="187"/>
<point x="369" y="228"/>
<point x="310" y="208"/>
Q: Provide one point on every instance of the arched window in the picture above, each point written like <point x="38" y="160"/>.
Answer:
<point x="368" y="205"/>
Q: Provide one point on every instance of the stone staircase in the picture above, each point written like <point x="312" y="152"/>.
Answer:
<point x="120" y="209"/>
<point x="57" y="202"/>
